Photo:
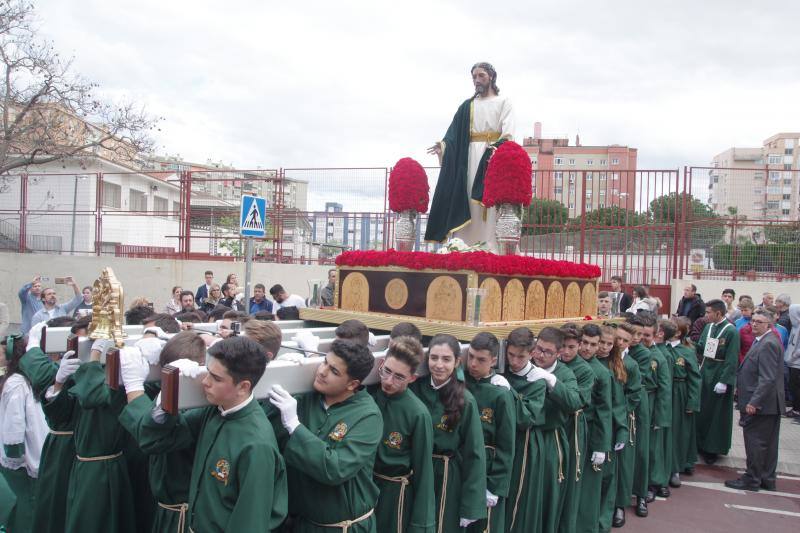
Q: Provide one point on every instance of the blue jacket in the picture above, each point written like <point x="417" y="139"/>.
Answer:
<point x="29" y="304"/>
<point x="265" y="305"/>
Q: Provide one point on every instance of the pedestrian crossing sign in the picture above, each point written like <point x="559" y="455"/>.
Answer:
<point x="252" y="217"/>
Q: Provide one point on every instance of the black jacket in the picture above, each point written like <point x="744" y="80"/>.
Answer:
<point x="696" y="309"/>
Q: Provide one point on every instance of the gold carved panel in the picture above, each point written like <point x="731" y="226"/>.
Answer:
<point x="396" y="293"/>
<point x="572" y="300"/>
<point x="355" y="292"/>
<point x="589" y="300"/>
<point x="555" y="300"/>
<point x="444" y="299"/>
<point x="514" y="301"/>
<point x="534" y="301"/>
<point x="492" y="304"/>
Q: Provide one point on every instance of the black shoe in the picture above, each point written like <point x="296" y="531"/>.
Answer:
<point x="710" y="458"/>
<point x="619" y="517"/>
<point x="641" y="507"/>
<point x="768" y="485"/>
<point x="675" y="480"/>
<point x="663" y="492"/>
<point x="651" y="495"/>
<point x="740" y="484"/>
<point x="689" y="471"/>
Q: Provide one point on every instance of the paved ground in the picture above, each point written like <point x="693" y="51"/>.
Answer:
<point x="788" y="448"/>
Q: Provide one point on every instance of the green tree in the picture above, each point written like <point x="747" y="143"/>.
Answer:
<point x="544" y="216"/>
<point x="783" y="233"/>
<point x="705" y="227"/>
<point x="611" y="216"/>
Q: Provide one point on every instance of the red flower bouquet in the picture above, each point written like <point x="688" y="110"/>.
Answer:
<point x="508" y="176"/>
<point x="408" y="187"/>
<point x="483" y="262"/>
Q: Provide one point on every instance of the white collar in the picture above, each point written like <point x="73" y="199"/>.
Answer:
<point x="624" y="353"/>
<point x="674" y="343"/>
<point x="764" y="335"/>
<point x="236" y="408"/>
<point x="553" y="367"/>
<point x="437" y="387"/>
<point x="721" y="321"/>
<point x="524" y="371"/>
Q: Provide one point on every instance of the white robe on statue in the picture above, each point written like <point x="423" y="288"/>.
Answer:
<point x="493" y="113"/>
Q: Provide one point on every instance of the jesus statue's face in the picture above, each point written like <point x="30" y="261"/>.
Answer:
<point x="482" y="81"/>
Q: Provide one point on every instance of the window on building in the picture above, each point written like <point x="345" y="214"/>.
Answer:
<point x="758" y="176"/>
<point x="601" y="205"/>
<point x="787" y="166"/>
<point x="558" y="161"/>
<point x="589" y="162"/>
<point x="603" y="162"/>
<point x="176" y="209"/>
<point x="758" y="191"/>
<point x="774" y="159"/>
<point x="774" y="176"/>
<point x="571" y="205"/>
<point x="559" y="177"/>
<point x="788" y="144"/>
<point x="558" y="191"/>
<point x="773" y="204"/>
<point x="773" y="189"/>
<point x="615" y="192"/>
<point x="602" y="192"/>
<point x="784" y="211"/>
<point x="572" y="177"/>
<point x="787" y="181"/>
<point x="615" y="161"/>
<point x="602" y="176"/>
<point x="112" y="195"/>
<point x="160" y="205"/>
<point x="588" y="176"/>
<point x="785" y="204"/>
<point x="571" y="161"/>
<point x="615" y="176"/>
<point x="589" y="194"/>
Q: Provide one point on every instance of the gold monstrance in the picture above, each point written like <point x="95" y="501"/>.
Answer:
<point x="107" y="308"/>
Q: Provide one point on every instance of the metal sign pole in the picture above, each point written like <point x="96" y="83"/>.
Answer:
<point x="248" y="272"/>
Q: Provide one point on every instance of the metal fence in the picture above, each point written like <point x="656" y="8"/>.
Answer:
<point x="649" y="226"/>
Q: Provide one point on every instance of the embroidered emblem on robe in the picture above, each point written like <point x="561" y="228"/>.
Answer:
<point x="442" y="425"/>
<point x="654" y="365"/>
<point x="394" y="441"/>
<point x="338" y="432"/>
<point x="221" y="471"/>
<point x="680" y="361"/>
<point x="487" y="415"/>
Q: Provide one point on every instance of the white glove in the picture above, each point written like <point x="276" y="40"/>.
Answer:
<point x="133" y="368"/>
<point x="598" y="458"/>
<point x="67" y="367"/>
<point x="372" y="341"/>
<point x="294" y="357"/>
<point x="720" y="388"/>
<point x="306" y="341"/>
<point x="158" y="332"/>
<point x="465" y="522"/>
<point x="151" y="348"/>
<point x="280" y="398"/>
<point x="491" y="499"/>
<point x="102" y="346"/>
<point x="618" y="446"/>
<point x="189" y="368"/>
<point x="500" y="381"/>
<point x="35" y="336"/>
<point x="536" y="374"/>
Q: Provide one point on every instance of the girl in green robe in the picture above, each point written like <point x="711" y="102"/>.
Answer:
<point x="685" y="400"/>
<point x="459" y="460"/>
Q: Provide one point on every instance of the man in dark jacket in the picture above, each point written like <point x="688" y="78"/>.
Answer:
<point x="759" y="381"/>
<point x="625" y="299"/>
<point x="691" y="305"/>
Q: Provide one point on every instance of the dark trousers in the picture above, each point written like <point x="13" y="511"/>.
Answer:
<point x="761" y="446"/>
<point x="794" y="387"/>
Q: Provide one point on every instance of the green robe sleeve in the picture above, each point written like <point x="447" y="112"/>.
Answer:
<point x="662" y="413"/>
<point x="39" y="370"/>
<point x="693" y="381"/>
<point x="529" y="404"/>
<point x="263" y="500"/>
<point x="58" y="410"/>
<point x="565" y="393"/>
<point x="423" y="510"/>
<point x="314" y="457"/>
<point x="498" y="479"/>
<point x="731" y="363"/>
<point x="633" y="387"/>
<point x="90" y="389"/>
<point x="600" y="430"/>
<point x="619" y="412"/>
<point x="701" y="342"/>
<point x="473" y="462"/>
<point x="176" y="433"/>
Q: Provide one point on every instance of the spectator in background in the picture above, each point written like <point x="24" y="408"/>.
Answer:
<point x="229" y="297"/>
<point x="86" y="304"/>
<point x="259" y="301"/>
<point x="187" y="302"/>
<point x="284" y="299"/>
<point x="691" y="305"/>
<point x="642" y="301"/>
<point x="782" y="303"/>
<point x="746" y="308"/>
<point x="174" y="305"/>
<point x="625" y="300"/>
<point x="204" y="290"/>
<point x="51" y="308"/>
<point x="766" y="299"/>
<point x="792" y="360"/>
<point x="782" y="332"/>
<point x="136" y="315"/>
<point x="697" y="328"/>
<point x="326" y="294"/>
<point x="214" y="297"/>
<point x="30" y="302"/>
<point x="733" y="313"/>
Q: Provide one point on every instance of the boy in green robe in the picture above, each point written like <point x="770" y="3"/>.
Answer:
<point x="562" y="399"/>
<point x="718" y="348"/>
<point x="523" y="511"/>
<point x="576" y="426"/>
<point x="238" y="478"/>
<point x="403" y="465"/>
<point x="660" y="411"/>
<point x="598" y="419"/>
<point x="641" y="471"/>
<point x="329" y="440"/>
<point x="496" y="406"/>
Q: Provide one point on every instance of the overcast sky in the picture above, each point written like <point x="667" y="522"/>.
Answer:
<point x="363" y="83"/>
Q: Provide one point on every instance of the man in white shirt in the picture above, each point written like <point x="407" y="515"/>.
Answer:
<point x="50" y="307"/>
<point x="284" y="299"/>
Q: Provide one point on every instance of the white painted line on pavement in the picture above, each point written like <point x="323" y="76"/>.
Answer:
<point x="761" y="510"/>
<point x="722" y="488"/>
<point x="779" y="476"/>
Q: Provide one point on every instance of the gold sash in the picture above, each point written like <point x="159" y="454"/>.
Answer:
<point x="484" y="136"/>
<point x="345" y="524"/>
<point x="560" y="457"/>
<point x="578" y="413"/>
<point x="446" y="461"/>
<point x="98" y="458"/>
<point x="61" y="433"/>
<point x="181" y="508"/>
<point x="521" y="478"/>
<point x="401" y="501"/>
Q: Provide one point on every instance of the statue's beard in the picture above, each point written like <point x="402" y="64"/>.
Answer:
<point x="481" y="89"/>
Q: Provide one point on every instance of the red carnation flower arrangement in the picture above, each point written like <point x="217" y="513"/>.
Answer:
<point x="408" y="187"/>
<point x="483" y="262"/>
<point x="508" y="176"/>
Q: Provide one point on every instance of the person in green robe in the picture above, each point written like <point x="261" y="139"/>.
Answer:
<point x="625" y="451"/>
<point x="598" y="416"/>
<point x="404" y="462"/>
<point x="58" y="451"/>
<point x="329" y="439"/>
<point x="562" y="398"/>
<point x="610" y="357"/>
<point x="169" y="474"/>
<point x="664" y="335"/>
<point x="660" y="411"/>
<point x="685" y="402"/>
<point x="480" y="125"/>
<point x="523" y="510"/>
<point x="459" y="459"/>
<point x="641" y="471"/>
<point x="576" y="426"/>
<point x="238" y="477"/>
<point x="718" y="348"/>
<point x="495" y="401"/>
<point x="8" y="502"/>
